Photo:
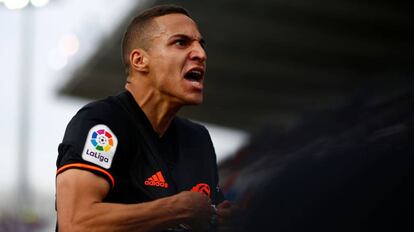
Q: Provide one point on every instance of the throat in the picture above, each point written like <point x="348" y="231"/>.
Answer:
<point x="160" y="117"/>
<point x="159" y="112"/>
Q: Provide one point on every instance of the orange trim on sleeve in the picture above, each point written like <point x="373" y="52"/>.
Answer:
<point x="86" y="166"/>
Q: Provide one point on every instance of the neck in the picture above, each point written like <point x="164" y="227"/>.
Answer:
<point x="159" y="111"/>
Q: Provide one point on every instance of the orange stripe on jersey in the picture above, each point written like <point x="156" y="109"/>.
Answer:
<point x="86" y="166"/>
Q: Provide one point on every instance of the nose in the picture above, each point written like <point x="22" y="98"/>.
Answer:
<point x="198" y="53"/>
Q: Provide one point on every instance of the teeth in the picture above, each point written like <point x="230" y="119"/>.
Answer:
<point x="198" y="73"/>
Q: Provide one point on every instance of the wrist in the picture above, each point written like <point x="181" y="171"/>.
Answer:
<point x="179" y="212"/>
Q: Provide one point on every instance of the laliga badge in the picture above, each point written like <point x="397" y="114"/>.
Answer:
<point x="100" y="146"/>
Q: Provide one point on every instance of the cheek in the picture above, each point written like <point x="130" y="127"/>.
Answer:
<point x="172" y="68"/>
<point x="167" y="63"/>
<point x="158" y="67"/>
<point x="167" y="66"/>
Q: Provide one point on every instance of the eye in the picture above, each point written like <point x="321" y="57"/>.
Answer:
<point x="180" y="42"/>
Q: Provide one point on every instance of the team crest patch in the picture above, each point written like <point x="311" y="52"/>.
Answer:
<point x="202" y="188"/>
<point x="100" y="146"/>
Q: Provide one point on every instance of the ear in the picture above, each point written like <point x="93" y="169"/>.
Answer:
<point x="138" y="59"/>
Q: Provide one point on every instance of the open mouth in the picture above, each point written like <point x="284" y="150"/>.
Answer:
<point x="195" y="74"/>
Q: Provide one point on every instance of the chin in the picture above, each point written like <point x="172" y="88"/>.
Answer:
<point x="194" y="101"/>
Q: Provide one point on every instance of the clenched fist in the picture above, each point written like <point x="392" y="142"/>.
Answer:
<point x="196" y="209"/>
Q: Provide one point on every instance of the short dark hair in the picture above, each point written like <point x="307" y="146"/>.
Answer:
<point x="136" y="34"/>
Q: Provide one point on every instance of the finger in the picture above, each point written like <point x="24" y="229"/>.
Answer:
<point x="224" y="204"/>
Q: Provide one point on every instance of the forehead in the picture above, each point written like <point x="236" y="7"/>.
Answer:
<point x="173" y="24"/>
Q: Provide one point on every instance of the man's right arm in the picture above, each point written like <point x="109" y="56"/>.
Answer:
<point x="80" y="207"/>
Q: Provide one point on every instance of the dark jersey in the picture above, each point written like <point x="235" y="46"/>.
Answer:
<point x="114" y="139"/>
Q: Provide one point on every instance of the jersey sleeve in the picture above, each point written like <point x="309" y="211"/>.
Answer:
<point x="91" y="143"/>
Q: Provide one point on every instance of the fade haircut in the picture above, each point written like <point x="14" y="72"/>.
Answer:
<point x="139" y="30"/>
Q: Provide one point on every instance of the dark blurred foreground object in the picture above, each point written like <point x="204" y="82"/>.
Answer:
<point x="347" y="170"/>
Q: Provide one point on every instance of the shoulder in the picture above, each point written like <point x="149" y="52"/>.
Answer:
<point x="101" y="114"/>
<point x="103" y="109"/>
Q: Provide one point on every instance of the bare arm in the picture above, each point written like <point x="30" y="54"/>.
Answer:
<point x="79" y="197"/>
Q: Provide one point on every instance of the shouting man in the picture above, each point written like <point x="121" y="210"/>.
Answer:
<point x="127" y="163"/>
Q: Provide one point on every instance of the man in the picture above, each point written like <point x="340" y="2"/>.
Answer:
<point x="127" y="163"/>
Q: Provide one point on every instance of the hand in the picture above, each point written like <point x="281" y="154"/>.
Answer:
<point x="197" y="208"/>
<point x="225" y="211"/>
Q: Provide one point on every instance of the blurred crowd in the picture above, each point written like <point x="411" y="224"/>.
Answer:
<point x="346" y="169"/>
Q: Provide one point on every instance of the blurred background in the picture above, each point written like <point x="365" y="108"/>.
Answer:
<point x="309" y="104"/>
